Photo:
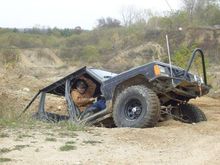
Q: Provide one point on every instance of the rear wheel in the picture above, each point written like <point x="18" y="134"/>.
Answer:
<point x="191" y="113"/>
<point x="136" y="106"/>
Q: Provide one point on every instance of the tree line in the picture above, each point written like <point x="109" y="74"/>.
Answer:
<point x="111" y="35"/>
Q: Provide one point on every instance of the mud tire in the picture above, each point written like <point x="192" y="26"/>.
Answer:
<point x="191" y="113"/>
<point x="144" y="101"/>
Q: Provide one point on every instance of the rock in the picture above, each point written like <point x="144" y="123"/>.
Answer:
<point x="26" y="89"/>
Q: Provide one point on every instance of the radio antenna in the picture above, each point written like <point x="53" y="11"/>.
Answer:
<point x="168" y="51"/>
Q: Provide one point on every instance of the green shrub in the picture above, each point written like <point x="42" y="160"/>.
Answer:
<point x="90" y="53"/>
<point x="183" y="54"/>
<point x="9" y="56"/>
<point x="67" y="147"/>
<point x="5" y="160"/>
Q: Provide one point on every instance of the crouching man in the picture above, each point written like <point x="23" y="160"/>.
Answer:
<point x="82" y="95"/>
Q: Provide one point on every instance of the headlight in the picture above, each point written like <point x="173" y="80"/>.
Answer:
<point x="198" y="79"/>
<point x="201" y="80"/>
<point x="159" y="70"/>
<point x="195" y="78"/>
<point x="162" y="69"/>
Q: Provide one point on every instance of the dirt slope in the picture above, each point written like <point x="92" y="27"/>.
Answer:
<point x="39" y="58"/>
<point x="171" y="142"/>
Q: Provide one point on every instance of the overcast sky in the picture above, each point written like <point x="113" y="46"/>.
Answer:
<point x="71" y="13"/>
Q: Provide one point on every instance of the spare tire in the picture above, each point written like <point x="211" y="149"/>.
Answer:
<point x="137" y="106"/>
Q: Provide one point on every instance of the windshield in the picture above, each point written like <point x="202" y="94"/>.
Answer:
<point x="103" y="75"/>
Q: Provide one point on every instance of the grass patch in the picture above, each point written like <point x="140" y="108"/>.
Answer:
<point x="9" y="118"/>
<point x="70" y="142"/>
<point x="8" y="111"/>
<point x="64" y="134"/>
<point x="23" y="136"/>
<point x="2" y="160"/>
<point x="10" y="114"/>
<point x="19" y="147"/>
<point x="18" y="140"/>
<point x="67" y="147"/>
<point x="3" y="135"/>
<point x="4" y="150"/>
<point x="37" y="150"/>
<point x="97" y="134"/>
<point x="50" y="134"/>
<point x="51" y="139"/>
<point x="67" y="134"/>
<point x="71" y="126"/>
<point x="91" y="142"/>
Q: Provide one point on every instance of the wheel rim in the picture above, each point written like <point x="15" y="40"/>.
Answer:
<point x="133" y="109"/>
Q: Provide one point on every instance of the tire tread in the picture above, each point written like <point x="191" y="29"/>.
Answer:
<point x="152" y="117"/>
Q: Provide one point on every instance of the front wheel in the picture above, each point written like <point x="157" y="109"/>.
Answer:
<point x="136" y="106"/>
<point x="191" y="113"/>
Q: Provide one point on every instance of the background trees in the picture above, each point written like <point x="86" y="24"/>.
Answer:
<point x="202" y="12"/>
<point x="108" y="22"/>
<point x="137" y="26"/>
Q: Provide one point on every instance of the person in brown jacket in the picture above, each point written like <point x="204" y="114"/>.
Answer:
<point x="82" y="95"/>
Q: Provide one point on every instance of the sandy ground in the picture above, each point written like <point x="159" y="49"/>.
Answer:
<point x="171" y="142"/>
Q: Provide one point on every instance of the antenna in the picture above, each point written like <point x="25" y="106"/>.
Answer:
<point x="168" y="4"/>
<point x="168" y="51"/>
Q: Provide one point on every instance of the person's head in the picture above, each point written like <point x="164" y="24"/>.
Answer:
<point x="81" y="86"/>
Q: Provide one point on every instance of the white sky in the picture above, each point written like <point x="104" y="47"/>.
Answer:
<point x="70" y="13"/>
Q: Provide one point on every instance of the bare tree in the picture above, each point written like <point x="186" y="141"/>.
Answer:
<point x="195" y="8"/>
<point x="108" y="22"/>
<point x="128" y="15"/>
<point x="131" y="15"/>
<point x="189" y="6"/>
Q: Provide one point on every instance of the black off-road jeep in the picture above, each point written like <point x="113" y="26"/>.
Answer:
<point x="139" y="97"/>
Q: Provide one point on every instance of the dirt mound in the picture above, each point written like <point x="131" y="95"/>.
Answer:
<point x="39" y="58"/>
<point x="171" y="142"/>
<point x="136" y="56"/>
